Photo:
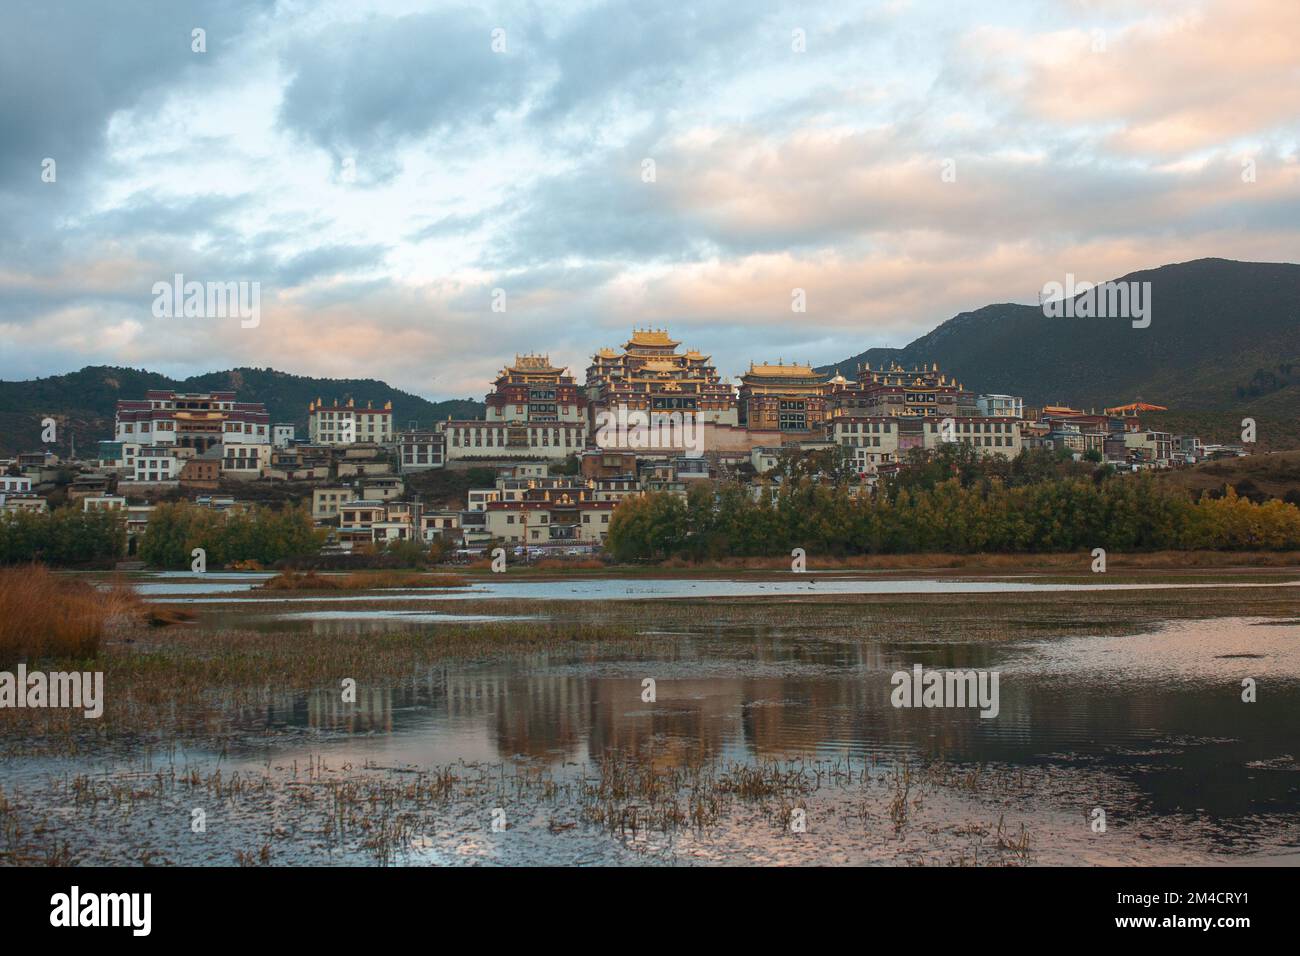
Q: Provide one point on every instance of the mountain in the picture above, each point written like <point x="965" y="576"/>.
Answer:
<point x="83" y="402"/>
<point x="1224" y="336"/>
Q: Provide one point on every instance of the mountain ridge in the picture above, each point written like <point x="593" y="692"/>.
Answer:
<point x="1224" y="336"/>
<point x="83" y="402"/>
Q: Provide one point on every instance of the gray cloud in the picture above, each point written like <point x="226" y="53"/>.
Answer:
<point x="360" y="90"/>
<point x="523" y="170"/>
<point x="66" y="67"/>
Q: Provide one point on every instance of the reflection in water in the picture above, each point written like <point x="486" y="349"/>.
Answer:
<point x="1149" y="726"/>
<point x="1160" y="710"/>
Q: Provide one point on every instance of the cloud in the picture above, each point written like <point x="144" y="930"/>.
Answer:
<point x="361" y="89"/>
<point x="382" y="171"/>
<point x="1183" y="78"/>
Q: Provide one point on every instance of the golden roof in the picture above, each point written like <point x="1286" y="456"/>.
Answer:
<point x="656" y="337"/>
<point x="1134" y="408"/>
<point x="533" y="361"/>
<point x="782" y="371"/>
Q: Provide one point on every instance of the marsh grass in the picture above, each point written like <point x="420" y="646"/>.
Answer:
<point x="937" y="561"/>
<point x="386" y="815"/>
<point x="570" y="564"/>
<point x="202" y="680"/>
<point x="49" y="616"/>
<point x="360" y="581"/>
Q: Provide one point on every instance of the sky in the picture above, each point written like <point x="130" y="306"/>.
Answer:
<point x="423" y="190"/>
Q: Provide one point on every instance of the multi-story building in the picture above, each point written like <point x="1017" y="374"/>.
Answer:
<point x="477" y="439"/>
<point x="439" y="524"/>
<point x="325" y="502"/>
<point x="282" y="434"/>
<point x="382" y="488"/>
<point x="480" y="498"/>
<point x="118" y="456"/>
<point x="420" y="450"/>
<point x="245" y="461"/>
<point x="156" y="464"/>
<point x="613" y="489"/>
<point x="594" y="525"/>
<point x="1067" y="436"/>
<point x="203" y="470"/>
<point x="358" y="518"/>
<point x="87" y="486"/>
<point x="103" y="503"/>
<point x="649" y="375"/>
<point x="347" y="424"/>
<point x="1149" y="447"/>
<point x="788" y="398"/>
<point x="988" y="436"/>
<point x="598" y="463"/>
<point x="14" y="485"/>
<point x="519" y="522"/>
<point x="534" y="390"/>
<point x="548" y="524"/>
<point x="894" y="391"/>
<point x="868" y="440"/>
<point x="1000" y="406"/>
<point x="194" y="420"/>
<point x="543" y="488"/>
<point x="1190" y="447"/>
<point x="24" y="502"/>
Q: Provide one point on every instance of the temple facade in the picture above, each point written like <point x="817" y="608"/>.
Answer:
<point x="893" y="391"/>
<point x="534" y="390"/>
<point x="649" y="374"/>
<point x="193" y="420"/>
<point x="788" y="398"/>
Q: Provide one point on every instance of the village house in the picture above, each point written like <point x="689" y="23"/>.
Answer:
<point x="357" y="520"/>
<point x="85" y="486"/>
<point x="1150" y="448"/>
<point x="157" y="465"/>
<point x="382" y="489"/>
<point x="439" y="524"/>
<point x="25" y="502"/>
<point x="326" y="501"/>
<point x="203" y="471"/>
<point x="347" y="424"/>
<point x="103" y="503"/>
<point x="245" y="461"/>
<point x="14" y="485"/>
<point x="421" y="450"/>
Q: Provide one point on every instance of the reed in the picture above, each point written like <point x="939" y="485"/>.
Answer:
<point x="361" y="581"/>
<point x="44" y="615"/>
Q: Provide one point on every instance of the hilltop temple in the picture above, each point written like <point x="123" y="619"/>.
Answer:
<point x="650" y="375"/>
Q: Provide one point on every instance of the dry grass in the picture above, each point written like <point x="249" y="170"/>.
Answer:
<point x="569" y="564"/>
<point x="44" y="615"/>
<point x="361" y="581"/>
